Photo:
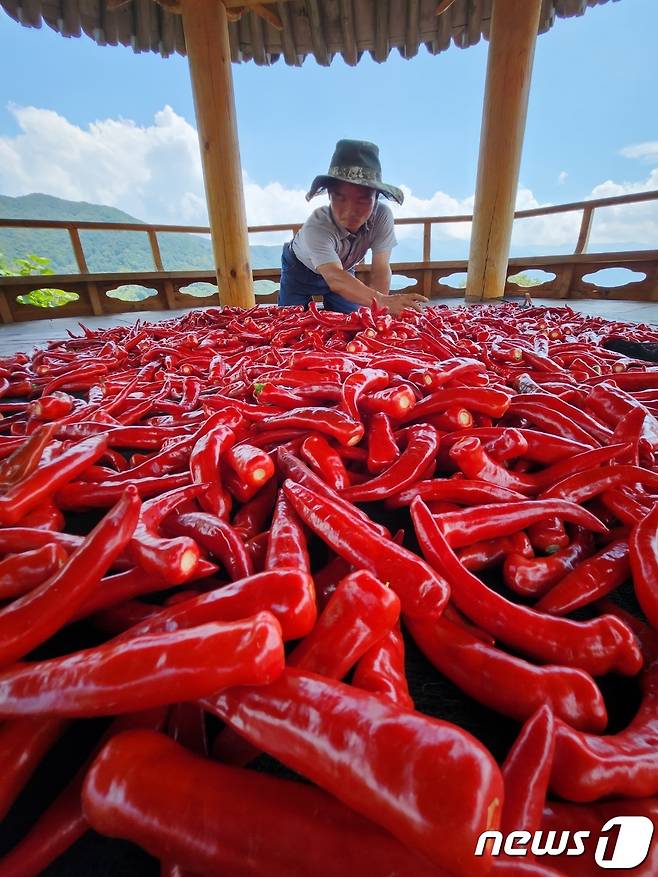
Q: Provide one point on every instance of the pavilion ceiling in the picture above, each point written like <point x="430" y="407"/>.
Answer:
<point x="293" y="30"/>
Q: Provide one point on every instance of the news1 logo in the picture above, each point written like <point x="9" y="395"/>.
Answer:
<point x="633" y="839"/>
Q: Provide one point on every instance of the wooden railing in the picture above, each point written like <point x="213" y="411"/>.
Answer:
<point x="168" y="287"/>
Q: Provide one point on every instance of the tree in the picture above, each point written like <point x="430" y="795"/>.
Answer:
<point x="31" y="264"/>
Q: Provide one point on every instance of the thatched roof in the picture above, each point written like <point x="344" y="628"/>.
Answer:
<point x="321" y="28"/>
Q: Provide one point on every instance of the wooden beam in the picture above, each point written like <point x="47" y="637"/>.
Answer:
<point x="350" y="51"/>
<point x="209" y="55"/>
<point x="514" y="26"/>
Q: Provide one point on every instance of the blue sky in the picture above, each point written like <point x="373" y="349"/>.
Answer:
<point x="594" y="84"/>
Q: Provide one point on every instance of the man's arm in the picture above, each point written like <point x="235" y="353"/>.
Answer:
<point x="341" y="281"/>
<point x="380" y="274"/>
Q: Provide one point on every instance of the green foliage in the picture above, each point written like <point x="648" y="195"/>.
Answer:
<point x="525" y="280"/>
<point x="26" y="267"/>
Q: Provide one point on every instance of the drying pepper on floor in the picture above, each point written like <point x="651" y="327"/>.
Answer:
<point x="275" y="452"/>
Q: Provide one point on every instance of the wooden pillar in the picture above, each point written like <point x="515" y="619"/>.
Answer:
<point x="513" y="33"/>
<point x="206" y="37"/>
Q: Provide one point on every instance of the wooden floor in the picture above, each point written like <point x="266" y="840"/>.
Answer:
<point x="28" y="336"/>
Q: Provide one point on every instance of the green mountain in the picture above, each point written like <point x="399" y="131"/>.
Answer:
<point x="105" y="250"/>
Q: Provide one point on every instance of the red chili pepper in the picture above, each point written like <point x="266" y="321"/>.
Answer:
<point x="42" y="483"/>
<point x="548" y="536"/>
<point x="292" y="467"/>
<point x="20" y="573"/>
<point x="456" y="417"/>
<point x="18" y="539"/>
<point x="428" y="782"/>
<point x="381" y="670"/>
<point x="23" y="743"/>
<point x="285" y="593"/>
<point x="469" y="454"/>
<point x="629" y="429"/>
<point x="479" y="400"/>
<point x="251" y="519"/>
<point x="588" y="767"/>
<point x="33" y="618"/>
<point x="644" y="564"/>
<point x="421" y="450"/>
<point x="396" y="402"/>
<point x="147" y="671"/>
<point x="173" y="560"/>
<point x="492" y="552"/>
<point x="596" y="646"/>
<point x="45" y="517"/>
<point x="420" y="589"/>
<point x="286" y="546"/>
<point x="81" y="495"/>
<point x="218" y="538"/>
<point x="591" y="580"/>
<point x="532" y="577"/>
<point x="544" y="417"/>
<point x="506" y="683"/>
<point x="611" y="404"/>
<point x="52" y="407"/>
<point x="204" y="466"/>
<point x="63" y="822"/>
<point x="116" y="589"/>
<point x="503" y="519"/>
<point x="359" y="613"/>
<point x="252" y="466"/>
<point x="626" y="506"/>
<point x="326" y="579"/>
<point x="134" y="791"/>
<point x="585" y="485"/>
<point x="458" y="490"/>
<point x="256" y="548"/>
<point x="382" y="447"/>
<point x="329" y="421"/>
<point x="325" y="460"/>
<point x="25" y="459"/>
<point x="526" y="772"/>
<point x="366" y="380"/>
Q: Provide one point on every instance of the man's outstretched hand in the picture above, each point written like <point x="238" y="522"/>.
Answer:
<point x="397" y="302"/>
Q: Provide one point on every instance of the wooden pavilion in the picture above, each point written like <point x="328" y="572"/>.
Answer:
<point x="216" y="33"/>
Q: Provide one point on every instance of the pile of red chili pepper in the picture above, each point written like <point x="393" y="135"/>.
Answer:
<point x="255" y="510"/>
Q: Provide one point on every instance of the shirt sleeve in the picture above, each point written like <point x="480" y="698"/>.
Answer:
<point x="384" y="238"/>
<point x="315" y="245"/>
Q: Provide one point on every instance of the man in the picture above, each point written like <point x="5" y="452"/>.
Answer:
<point x="321" y="258"/>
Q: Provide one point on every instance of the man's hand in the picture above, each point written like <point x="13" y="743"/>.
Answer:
<point x="397" y="302"/>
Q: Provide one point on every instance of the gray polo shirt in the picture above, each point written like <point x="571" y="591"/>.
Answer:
<point x="321" y="239"/>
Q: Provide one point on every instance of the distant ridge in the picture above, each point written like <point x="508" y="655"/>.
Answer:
<point x="105" y="251"/>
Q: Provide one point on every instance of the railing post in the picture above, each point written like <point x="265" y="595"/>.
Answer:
<point x="155" y="249"/>
<point x="427" y="257"/>
<point x="5" y="310"/>
<point x="585" y="228"/>
<point x="92" y="289"/>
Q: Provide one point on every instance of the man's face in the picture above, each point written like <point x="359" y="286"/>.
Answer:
<point x="352" y="205"/>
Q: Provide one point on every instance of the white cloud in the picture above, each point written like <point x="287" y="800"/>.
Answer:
<point x="562" y="177"/>
<point x="154" y="172"/>
<point x="647" y="150"/>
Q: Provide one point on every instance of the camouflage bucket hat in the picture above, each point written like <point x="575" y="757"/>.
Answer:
<point x="355" y="161"/>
